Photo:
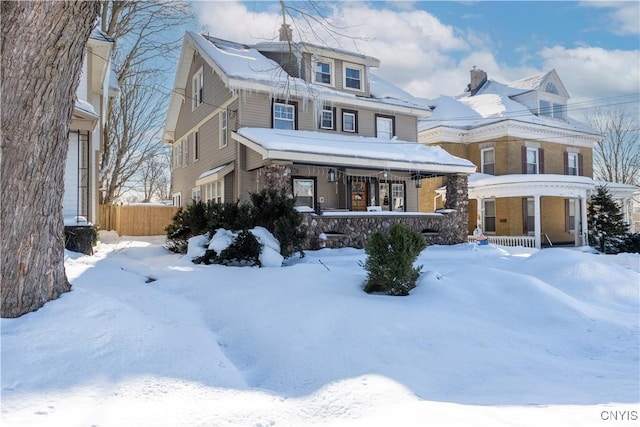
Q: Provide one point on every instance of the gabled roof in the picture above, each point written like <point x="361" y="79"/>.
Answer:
<point x="350" y="151"/>
<point x="497" y="102"/>
<point x="243" y="67"/>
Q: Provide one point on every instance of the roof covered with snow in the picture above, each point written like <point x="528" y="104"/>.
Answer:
<point x="243" y="67"/>
<point x="493" y="103"/>
<point x="353" y="151"/>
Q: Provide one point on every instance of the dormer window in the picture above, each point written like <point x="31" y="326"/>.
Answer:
<point x="551" y="88"/>
<point x="353" y="75"/>
<point x="323" y="72"/>
<point x="552" y="109"/>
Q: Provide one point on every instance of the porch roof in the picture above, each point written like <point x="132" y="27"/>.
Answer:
<point x="517" y="185"/>
<point x="338" y="150"/>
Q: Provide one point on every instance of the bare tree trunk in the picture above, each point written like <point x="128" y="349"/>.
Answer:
<point x="43" y="46"/>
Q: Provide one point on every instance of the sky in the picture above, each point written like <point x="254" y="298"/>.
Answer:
<point x="536" y="338"/>
<point x="428" y="47"/>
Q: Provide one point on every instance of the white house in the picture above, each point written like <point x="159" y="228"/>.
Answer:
<point x="80" y="202"/>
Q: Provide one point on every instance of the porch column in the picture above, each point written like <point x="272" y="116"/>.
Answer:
<point x="584" y="229"/>
<point x="577" y="229"/>
<point x="457" y="199"/>
<point x="537" y="222"/>
<point x="625" y="213"/>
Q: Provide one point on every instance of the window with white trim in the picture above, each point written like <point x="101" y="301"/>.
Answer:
<point x="176" y="198"/>
<point x="488" y="160"/>
<point x="530" y="222"/>
<point x="177" y="154"/>
<point x="353" y="77"/>
<point x="196" y="146"/>
<point x="384" y="127"/>
<point x="533" y="164"/>
<point x="323" y="72"/>
<point x="570" y="206"/>
<point x="573" y="164"/>
<point x="197" y="87"/>
<point x="327" y="120"/>
<point x="195" y="194"/>
<point x="185" y="152"/>
<point x="304" y="190"/>
<point x="350" y="121"/>
<point x="214" y="191"/>
<point x="224" y="129"/>
<point x="489" y="215"/>
<point x="551" y="88"/>
<point x="552" y="109"/>
<point x="397" y="197"/>
<point x="283" y="116"/>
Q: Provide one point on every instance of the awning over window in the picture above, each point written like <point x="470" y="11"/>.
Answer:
<point x="215" y="174"/>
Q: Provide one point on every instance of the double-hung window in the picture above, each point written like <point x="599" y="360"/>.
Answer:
<point x="489" y="215"/>
<point x="195" y="194"/>
<point x="197" y="85"/>
<point x="283" y="116"/>
<point x="223" y="129"/>
<point x="327" y="119"/>
<point x="323" y="72"/>
<point x="196" y="146"/>
<point x="213" y="191"/>
<point x="573" y="164"/>
<point x="353" y="75"/>
<point x="488" y="159"/>
<point x="304" y="191"/>
<point x="533" y="166"/>
<point x="528" y="216"/>
<point x="384" y="127"/>
<point x="350" y="121"/>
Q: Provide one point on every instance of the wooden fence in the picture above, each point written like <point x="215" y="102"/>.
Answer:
<point x="136" y="220"/>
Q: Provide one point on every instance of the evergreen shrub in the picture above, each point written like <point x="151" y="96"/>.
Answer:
<point x="272" y="209"/>
<point x="607" y="230"/>
<point x="390" y="258"/>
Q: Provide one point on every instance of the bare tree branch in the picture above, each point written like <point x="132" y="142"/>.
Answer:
<point x="617" y="157"/>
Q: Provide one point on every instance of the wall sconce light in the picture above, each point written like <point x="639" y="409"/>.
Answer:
<point x="331" y="175"/>
<point x="419" y="183"/>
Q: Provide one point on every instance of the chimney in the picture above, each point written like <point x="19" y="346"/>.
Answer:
<point x="286" y="33"/>
<point x="478" y="78"/>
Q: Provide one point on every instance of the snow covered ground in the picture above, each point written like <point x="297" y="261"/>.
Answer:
<point x="489" y="337"/>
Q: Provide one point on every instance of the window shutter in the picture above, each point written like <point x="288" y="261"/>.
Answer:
<point x="524" y="160"/>
<point x="541" y="161"/>
<point x="580" y="171"/>
<point x="524" y="216"/>
<point x="566" y="163"/>
<point x="567" y="227"/>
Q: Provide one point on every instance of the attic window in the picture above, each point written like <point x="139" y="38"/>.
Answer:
<point x="197" y="83"/>
<point x="323" y="72"/>
<point x="551" y="88"/>
<point x="353" y="77"/>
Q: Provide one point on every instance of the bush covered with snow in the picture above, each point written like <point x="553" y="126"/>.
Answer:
<point x="390" y="258"/>
<point x="254" y="247"/>
<point x="269" y="209"/>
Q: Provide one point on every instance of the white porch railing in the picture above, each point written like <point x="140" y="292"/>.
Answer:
<point x="526" y="241"/>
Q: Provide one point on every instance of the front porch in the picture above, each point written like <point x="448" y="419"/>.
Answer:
<point x="530" y="210"/>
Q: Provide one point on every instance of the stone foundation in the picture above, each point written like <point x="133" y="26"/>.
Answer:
<point x="350" y="230"/>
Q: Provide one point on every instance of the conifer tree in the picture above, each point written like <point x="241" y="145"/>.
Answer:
<point x="607" y="230"/>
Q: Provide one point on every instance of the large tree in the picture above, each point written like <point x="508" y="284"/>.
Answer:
<point x="42" y="49"/>
<point x="147" y="47"/>
<point x="617" y="157"/>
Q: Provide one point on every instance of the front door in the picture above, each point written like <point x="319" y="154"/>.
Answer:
<point x="358" y="195"/>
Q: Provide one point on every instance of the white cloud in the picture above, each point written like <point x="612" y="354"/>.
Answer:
<point x="624" y="16"/>
<point x="424" y="56"/>
<point x="593" y="73"/>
